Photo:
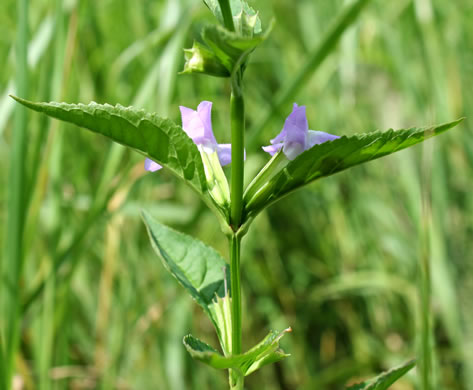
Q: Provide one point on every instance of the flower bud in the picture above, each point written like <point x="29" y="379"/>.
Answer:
<point x="200" y="59"/>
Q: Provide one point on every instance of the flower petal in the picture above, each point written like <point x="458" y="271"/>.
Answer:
<point x="224" y="152"/>
<point x="273" y="149"/>
<point x="152" y="166"/>
<point x="296" y="127"/>
<point x="192" y="124"/>
<point x="293" y="136"/>
<point x="319" y="137"/>
<point x="291" y="118"/>
<point x="204" y="110"/>
<point x="280" y="137"/>
<point x="197" y="124"/>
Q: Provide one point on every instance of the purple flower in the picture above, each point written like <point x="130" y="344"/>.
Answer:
<point x="198" y="126"/>
<point x="295" y="136"/>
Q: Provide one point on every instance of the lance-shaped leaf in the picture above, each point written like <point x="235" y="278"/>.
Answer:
<point x="334" y="156"/>
<point x="262" y="354"/>
<point x="386" y="379"/>
<point x="156" y="138"/>
<point x="196" y="266"/>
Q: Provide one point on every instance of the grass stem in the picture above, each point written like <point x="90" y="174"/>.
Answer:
<point x="13" y="265"/>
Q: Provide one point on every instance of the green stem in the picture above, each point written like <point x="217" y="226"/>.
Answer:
<point x="236" y="379"/>
<point x="238" y="152"/>
<point x="237" y="383"/>
<point x="12" y="267"/>
<point x="227" y="14"/>
<point x="236" y="294"/>
<point x="237" y="112"/>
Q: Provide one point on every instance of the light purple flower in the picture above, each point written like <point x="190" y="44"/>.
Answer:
<point x="295" y="137"/>
<point x="198" y="126"/>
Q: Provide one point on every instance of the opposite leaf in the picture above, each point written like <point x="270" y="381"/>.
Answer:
<point x="262" y="354"/>
<point x="386" y="379"/>
<point x="334" y="156"/>
<point x="156" y="138"/>
<point x="197" y="267"/>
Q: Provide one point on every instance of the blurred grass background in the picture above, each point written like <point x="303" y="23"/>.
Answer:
<point x="341" y="261"/>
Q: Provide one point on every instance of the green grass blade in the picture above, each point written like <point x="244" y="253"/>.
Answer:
<point x="3" y="380"/>
<point x="12" y="266"/>
<point x="386" y="379"/>
<point x="36" y="49"/>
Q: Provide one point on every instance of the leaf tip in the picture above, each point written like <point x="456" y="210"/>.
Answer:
<point x="18" y="99"/>
<point x="144" y="214"/>
<point x="148" y="220"/>
<point x="25" y="102"/>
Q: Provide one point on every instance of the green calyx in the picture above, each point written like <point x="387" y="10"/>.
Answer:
<point x="200" y="59"/>
<point x="217" y="184"/>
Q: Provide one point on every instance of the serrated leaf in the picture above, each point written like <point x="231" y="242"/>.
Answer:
<point x="386" y="379"/>
<point x="231" y="48"/>
<point x="334" y="156"/>
<point x="159" y="139"/>
<point x="196" y="266"/>
<point x="264" y="353"/>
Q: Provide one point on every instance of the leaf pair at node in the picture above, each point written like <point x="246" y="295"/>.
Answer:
<point x="204" y="274"/>
<point x="265" y="352"/>
<point x="167" y="144"/>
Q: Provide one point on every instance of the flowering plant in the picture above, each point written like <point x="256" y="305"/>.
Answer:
<point x="299" y="156"/>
